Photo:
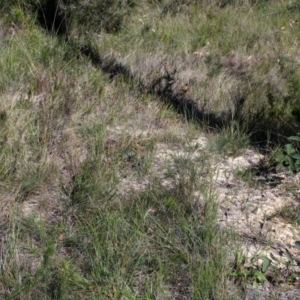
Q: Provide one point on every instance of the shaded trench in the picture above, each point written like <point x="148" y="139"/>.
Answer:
<point x="161" y="87"/>
<point x="54" y="18"/>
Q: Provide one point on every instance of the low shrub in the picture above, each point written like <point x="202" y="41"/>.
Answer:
<point x="63" y="16"/>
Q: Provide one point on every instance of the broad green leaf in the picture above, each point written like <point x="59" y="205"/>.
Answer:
<point x="294" y="138"/>
<point x="260" y="276"/>
<point x="296" y="156"/>
<point x="291" y="164"/>
<point x="290" y="150"/>
<point x="266" y="264"/>
<point x="297" y="245"/>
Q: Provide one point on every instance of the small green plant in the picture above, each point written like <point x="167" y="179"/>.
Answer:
<point x="231" y="140"/>
<point x="291" y="156"/>
<point x="259" y="273"/>
<point x="240" y="272"/>
<point x="243" y="272"/>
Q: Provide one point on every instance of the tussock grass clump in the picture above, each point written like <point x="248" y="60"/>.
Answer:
<point x="231" y="140"/>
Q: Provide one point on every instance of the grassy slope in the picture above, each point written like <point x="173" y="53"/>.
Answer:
<point x="73" y="225"/>
<point x="71" y="139"/>
<point x="238" y="62"/>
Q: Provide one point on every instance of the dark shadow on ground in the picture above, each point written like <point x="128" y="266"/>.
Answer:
<point x="161" y="87"/>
